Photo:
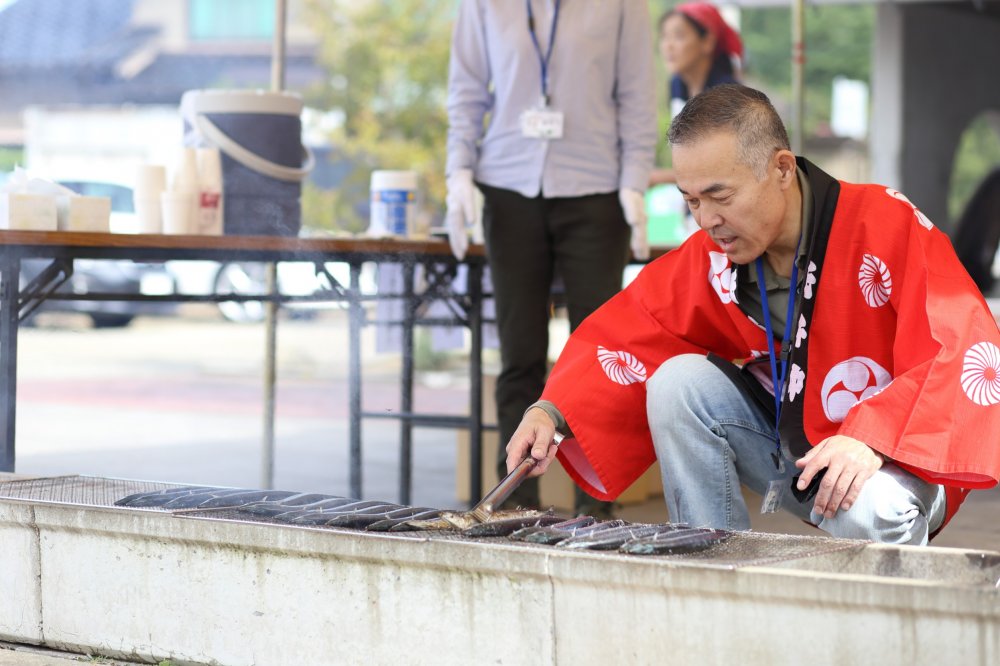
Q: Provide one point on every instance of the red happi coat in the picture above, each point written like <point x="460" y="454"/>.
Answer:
<point x="893" y="345"/>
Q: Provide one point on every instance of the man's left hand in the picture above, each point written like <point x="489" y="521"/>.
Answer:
<point x="849" y="464"/>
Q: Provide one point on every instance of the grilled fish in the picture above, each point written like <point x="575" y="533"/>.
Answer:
<point x="504" y="526"/>
<point x="674" y="542"/>
<point x="160" y="497"/>
<point x="402" y="524"/>
<point x="275" y="509"/>
<point x="464" y="520"/>
<point x="236" y="500"/>
<point x="553" y="534"/>
<point x="323" y="516"/>
<point x="613" y="539"/>
<point x="362" y="519"/>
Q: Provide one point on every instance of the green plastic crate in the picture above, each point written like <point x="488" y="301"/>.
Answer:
<point x="665" y="209"/>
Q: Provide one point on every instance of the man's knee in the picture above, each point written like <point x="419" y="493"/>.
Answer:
<point x="886" y="511"/>
<point x="674" y="380"/>
<point x="678" y="390"/>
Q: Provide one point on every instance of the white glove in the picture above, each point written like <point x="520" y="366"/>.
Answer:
<point x="462" y="213"/>
<point x="634" y="206"/>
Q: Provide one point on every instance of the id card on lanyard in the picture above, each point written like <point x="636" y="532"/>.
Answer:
<point x="542" y="122"/>
<point x="776" y="488"/>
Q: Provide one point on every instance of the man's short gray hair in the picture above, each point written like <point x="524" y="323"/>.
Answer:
<point x="745" y="112"/>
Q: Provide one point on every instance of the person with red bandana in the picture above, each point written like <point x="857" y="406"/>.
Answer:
<point x="700" y="50"/>
<point x="817" y="341"/>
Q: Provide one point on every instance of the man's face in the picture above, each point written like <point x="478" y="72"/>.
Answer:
<point x="742" y="214"/>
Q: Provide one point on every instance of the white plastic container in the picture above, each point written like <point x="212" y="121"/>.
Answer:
<point x="264" y="161"/>
<point x="393" y="203"/>
<point x="209" y="218"/>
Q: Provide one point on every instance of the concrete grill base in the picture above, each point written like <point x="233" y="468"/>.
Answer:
<point x="201" y="589"/>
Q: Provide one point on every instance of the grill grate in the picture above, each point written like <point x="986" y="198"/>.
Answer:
<point x="744" y="549"/>
<point x="84" y="490"/>
<point x="740" y="549"/>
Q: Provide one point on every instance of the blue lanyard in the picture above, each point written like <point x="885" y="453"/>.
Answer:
<point x="543" y="60"/>
<point x="776" y="379"/>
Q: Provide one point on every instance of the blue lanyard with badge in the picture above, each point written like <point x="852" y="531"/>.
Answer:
<point x="542" y="122"/>
<point x="776" y="488"/>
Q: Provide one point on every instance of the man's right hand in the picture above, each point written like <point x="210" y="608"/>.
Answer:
<point x="533" y="436"/>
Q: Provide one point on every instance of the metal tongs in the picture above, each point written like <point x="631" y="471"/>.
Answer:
<point x="493" y="499"/>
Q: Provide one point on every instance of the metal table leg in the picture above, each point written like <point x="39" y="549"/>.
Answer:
<point x="476" y="382"/>
<point x="10" y="269"/>
<point x="355" y="320"/>
<point x="406" y="385"/>
<point x="270" y="376"/>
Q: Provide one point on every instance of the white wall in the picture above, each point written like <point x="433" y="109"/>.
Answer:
<point x="102" y="144"/>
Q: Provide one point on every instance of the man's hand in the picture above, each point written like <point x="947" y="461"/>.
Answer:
<point x="461" y="213"/>
<point x="535" y="435"/>
<point x="634" y="207"/>
<point x="849" y="464"/>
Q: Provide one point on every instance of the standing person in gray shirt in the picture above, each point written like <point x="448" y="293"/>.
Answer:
<point x="552" y="115"/>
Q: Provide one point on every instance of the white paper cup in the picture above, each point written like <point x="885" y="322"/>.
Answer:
<point x="150" y="182"/>
<point x="177" y="212"/>
<point x="150" y="179"/>
<point x="185" y="174"/>
<point x="149" y="213"/>
<point x="209" y="168"/>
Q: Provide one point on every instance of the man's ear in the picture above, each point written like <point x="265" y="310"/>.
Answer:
<point x="784" y="160"/>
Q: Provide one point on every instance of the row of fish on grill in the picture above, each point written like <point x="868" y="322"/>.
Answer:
<point x="314" y="509"/>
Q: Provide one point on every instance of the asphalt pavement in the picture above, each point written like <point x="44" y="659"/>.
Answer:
<point x="179" y="399"/>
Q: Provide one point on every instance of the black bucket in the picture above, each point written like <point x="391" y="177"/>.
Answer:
<point x="259" y="135"/>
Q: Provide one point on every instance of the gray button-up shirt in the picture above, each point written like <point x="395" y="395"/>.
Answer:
<point x="600" y="76"/>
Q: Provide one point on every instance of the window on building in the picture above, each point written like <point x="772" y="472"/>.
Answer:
<point x="211" y="20"/>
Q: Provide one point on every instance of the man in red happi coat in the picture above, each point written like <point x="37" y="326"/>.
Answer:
<point x="843" y="300"/>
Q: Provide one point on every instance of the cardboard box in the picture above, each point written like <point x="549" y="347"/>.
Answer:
<point x="27" y="212"/>
<point x="556" y="487"/>
<point x="86" y="213"/>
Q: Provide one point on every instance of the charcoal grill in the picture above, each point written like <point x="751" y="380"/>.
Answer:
<point x="740" y="550"/>
<point x="224" y="585"/>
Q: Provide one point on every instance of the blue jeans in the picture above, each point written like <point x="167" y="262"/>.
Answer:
<point x="710" y="438"/>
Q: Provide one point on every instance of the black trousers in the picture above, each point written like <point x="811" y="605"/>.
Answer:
<point x="584" y="241"/>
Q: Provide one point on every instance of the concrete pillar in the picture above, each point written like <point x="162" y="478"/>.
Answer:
<point x="935" y="70"/>
<point x="887" y="97"/>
